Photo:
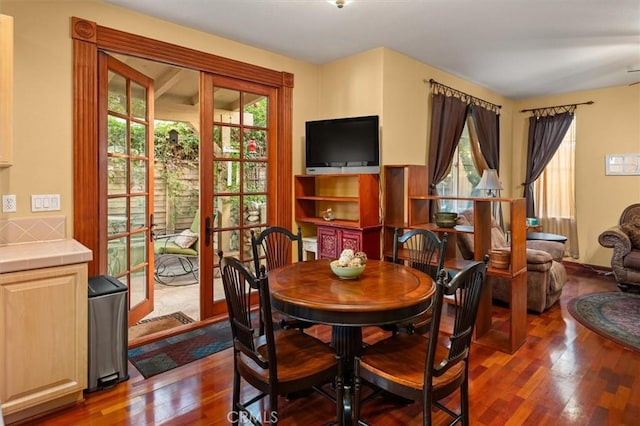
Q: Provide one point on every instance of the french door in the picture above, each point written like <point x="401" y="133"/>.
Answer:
<point x="90" y="158"/>
<point x="238" y="134"/>
<point x="126" y="129"/>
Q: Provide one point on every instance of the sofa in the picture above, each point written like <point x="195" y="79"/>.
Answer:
<point x="624" y="239"/>
<point x="546" y="275"/>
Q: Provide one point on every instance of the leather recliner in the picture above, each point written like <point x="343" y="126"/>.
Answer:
<point x="546" y="276"/>
<point x="624" y="239"/>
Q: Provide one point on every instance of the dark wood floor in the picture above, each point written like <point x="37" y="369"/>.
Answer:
<point x="564" y="375"/>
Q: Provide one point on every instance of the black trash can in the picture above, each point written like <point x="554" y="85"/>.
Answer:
<point x="108" y="333"/>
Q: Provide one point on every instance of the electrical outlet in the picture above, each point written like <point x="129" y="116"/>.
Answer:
<point x="9" y="204"/>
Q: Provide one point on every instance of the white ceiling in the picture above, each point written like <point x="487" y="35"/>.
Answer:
<point x="517" y="48"/>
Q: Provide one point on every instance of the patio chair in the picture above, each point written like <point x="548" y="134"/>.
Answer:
<point x="176" y="255"/>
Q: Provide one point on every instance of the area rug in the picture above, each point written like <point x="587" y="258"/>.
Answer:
<point x="154" y="325"/>
<point x="614" y="315"/>
<point x="180" y="349"/>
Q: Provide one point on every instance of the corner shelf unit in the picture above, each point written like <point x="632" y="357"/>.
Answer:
<point x="354" y="201"/>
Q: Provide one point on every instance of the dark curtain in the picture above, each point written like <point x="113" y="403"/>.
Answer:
<point x="447" y="121"/>
<point x="487" y="124"/>
<point x="545" y="136"/>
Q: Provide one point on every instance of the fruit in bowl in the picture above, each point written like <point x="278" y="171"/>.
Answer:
<point x="350" y="264"/>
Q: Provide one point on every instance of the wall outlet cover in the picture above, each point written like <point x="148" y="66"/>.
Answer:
<point x="9" y="204"/>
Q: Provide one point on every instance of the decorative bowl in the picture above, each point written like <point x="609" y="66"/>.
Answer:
<point x="346" y="272"/>
<point x="446" y="219"/>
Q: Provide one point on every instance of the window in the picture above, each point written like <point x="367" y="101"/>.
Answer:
<point x="462" y="178"/>
<point x="554" y="189"/>
<point x="554" y="193"/>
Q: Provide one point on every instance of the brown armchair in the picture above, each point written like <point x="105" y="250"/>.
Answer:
<point x="624" y="239"/>
<point x="546" y="275"/>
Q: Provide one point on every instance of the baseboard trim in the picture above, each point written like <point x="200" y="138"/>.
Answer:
<point x="585" y="267"/>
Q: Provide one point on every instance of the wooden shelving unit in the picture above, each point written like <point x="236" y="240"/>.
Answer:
<point x="354" y="201"/>
<point x="400" y="183"/>
<point x="516" y="273"/>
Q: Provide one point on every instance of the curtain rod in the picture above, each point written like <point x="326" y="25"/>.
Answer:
<point x="557" y="106"/>
<point x="460" y="93"/>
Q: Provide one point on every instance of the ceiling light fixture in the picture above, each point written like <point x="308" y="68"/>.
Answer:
<point x="340" y="3"/>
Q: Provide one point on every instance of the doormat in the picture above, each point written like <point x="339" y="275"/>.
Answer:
<point x="157" y="324"/>
<point x="180" y="349"/>
<point x="613" y="315"/>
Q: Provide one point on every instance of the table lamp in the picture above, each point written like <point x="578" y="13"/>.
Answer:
<point x="490" y="182"/>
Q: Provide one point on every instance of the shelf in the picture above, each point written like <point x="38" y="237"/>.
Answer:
<point x="400" y="182"/>
<point x="419" y="214"/>
<point x="353" y="199"/>
<point x="354" y="202"/>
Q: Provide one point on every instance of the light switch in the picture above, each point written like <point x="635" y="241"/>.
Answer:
<point x="45" y="202"/>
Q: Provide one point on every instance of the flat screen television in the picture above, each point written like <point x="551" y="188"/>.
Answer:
<point x="343" y="145"/>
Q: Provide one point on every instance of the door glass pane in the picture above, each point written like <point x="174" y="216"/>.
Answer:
<point x="116" y="257"/>
<point x="138" y="214"/>
<point x="255" y="144"/>
<point x="229" y="208"/>
<point x="226" y="142"/>
<point x="138" y="287"/>
<point x="138" y="175"/>
<point x="138" y="101"/>
<point x="225" y="106"/>
<point x="116" y="135"/>
<point x="138" y="249"/>
<point x="116" y="175"/>
<point x="255" y="210"/>
<point x="117" y="101"/>
<point x="255" y="110"/>
<point x="116" y="215"/>
<point x="255" y="177"/>
<point x="138" y="139"/>
<point x="226" y="176"/>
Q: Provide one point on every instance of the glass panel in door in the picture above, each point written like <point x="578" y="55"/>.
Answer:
<point x="236" y="169"/>
<point x="129" y="190"/>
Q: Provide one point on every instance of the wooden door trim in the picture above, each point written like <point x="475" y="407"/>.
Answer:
<point x="88" y="38"/>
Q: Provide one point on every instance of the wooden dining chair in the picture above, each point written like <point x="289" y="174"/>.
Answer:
<point x="275" y="245"/>
<point x="275" y="363"/>
<point x="420" y="249"/>
<point x="427" y="368"/>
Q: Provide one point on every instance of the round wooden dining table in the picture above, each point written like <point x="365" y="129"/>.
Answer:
<point x="385" y="293"/>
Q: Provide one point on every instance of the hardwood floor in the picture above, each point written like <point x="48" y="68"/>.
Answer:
<point x="564" y="375"/>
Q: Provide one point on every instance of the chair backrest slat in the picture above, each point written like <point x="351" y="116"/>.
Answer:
<point x="238" y="284"/>
<point x="423" y="249"/>
<point x="467" y="287"/>
<point x="276" y="244"/>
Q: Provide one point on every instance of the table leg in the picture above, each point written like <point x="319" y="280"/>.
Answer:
<point x="347" y="342"/>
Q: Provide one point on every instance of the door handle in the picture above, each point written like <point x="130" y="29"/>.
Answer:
<point x="208" y="231"/>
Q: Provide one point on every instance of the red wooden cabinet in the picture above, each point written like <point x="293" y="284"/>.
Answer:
<point x="333" y="239"/>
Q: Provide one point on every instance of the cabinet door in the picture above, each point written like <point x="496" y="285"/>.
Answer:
<point x="328" y="243"/>
<point x="44" y="345"/>
<point x="350" y="240"/>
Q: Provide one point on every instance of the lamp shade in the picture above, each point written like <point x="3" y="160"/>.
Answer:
<point x="489" y="181"/>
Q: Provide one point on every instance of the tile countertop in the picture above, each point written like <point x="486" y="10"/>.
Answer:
<point x="42" y="254"/>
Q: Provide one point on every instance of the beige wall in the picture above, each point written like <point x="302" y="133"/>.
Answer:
<point x="43" y="89"/>
<point x="610" y="126"/>
<point x="379" y="81"/>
